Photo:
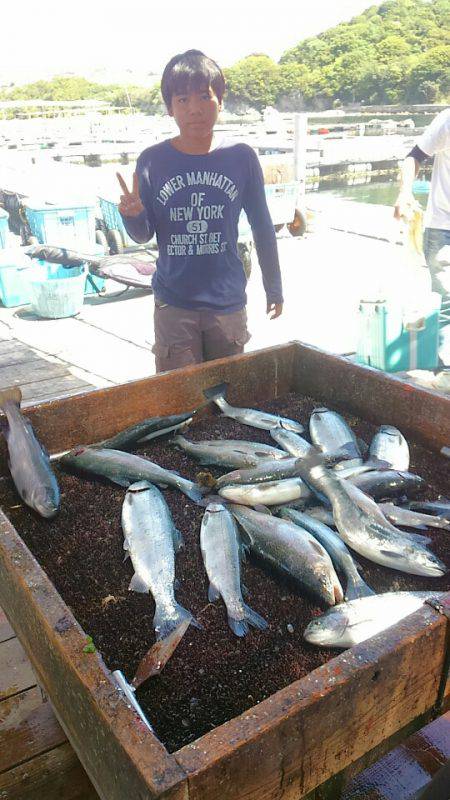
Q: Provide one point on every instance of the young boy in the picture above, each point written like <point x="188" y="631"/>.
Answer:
<point x="190" y="190"/>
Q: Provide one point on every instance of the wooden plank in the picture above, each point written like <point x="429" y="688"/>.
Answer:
<point x="28" y="727"/>
<point x="19" y="355"/>
<point x="18" y="374"/>
<point x="304" y="734"/>
<point x="16" y="673"/>
<point x="56" y="775"/>
<point x="406" y="769"/>
<point x="6" y="631"/>
<point x="122" y="757"/>
<point x="374" y="395"/>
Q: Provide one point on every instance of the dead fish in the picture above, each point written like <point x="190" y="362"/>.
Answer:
<point x="412" y="519"/>
<point x="151" y="540"/>
<point x="266" y="494"/>
<point x="335" y="547"/>
<point x="28" y="461"/>
<point x="440" y="508"/>
<point x="388" y="483"/>
<point x="354" y="622"/>
<point x="249" y="416"/>
<point x="333" y="436"/>
<point x="145" y="430"/>
<point x="266" y="471"/>
<point x="219" y="542"/>
<point x="390" y="445"/>
<point x="292" y="442"/>
<point x="126" y="468"/>
<point x="231" y="453"/>
<point x="297" y="553"/>
<point x="359" y="531"/>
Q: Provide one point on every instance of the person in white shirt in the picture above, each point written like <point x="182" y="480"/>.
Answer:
<point x="435" y="141"/>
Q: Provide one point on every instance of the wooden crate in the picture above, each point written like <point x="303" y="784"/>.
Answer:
<point x="340" y="714"/>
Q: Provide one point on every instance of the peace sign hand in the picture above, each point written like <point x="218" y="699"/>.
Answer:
<point x="130" y="202"/>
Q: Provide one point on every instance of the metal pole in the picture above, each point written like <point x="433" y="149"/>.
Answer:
<point x="300" y="140"/>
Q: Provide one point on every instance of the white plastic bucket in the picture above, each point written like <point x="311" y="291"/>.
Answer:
<point x="55" y="291"/>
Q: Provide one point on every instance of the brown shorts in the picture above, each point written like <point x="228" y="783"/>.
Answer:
<point x="184" y="337"/>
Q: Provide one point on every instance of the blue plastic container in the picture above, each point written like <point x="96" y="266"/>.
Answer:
<point x="55" y="291"/>
<point x="391" y="342"/>
<point x="67" y="226"/>
<point x="4" y="228"/>
<point x="113" y="220"/>
<point x="14" y="289"/>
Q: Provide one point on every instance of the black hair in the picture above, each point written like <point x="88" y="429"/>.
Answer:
<point x="191" y="71"/>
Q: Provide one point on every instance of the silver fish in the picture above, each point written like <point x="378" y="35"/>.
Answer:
<point x="249" y="416"/>
<point x="231" y="453"/>
<point x="145" y="430"/>
<point x="440" y="507"/>
<point x="219" y="542"/>
<point x="333" y="436"/>
<point x="266" y="471"/>
<point x="388" y="483"/>
<point x="359" y="531"/>
<point x="126" y="468"/>
<point x="354" y="622"/>
<point x="390" y="445"/>
<point x="297" y="553"/>
<point x="151" y="540"/>
<point x="335" y="547"/>
<point x="291" y="442"/>
<point x="412" y="519"/>
<point x="28" y="461"/>
<point x="267" y="494"/>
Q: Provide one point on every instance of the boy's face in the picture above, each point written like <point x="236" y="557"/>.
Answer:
<point x="196" y="112"/>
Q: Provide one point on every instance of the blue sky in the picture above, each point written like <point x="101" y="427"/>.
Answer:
<point x="51" y="35"/>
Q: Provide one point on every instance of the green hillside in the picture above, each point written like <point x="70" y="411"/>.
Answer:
<point x="396" y="52"/>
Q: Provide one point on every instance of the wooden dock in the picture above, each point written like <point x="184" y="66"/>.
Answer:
<point x="36" y="760"/>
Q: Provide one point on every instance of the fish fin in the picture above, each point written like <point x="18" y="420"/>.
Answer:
<point x="357" y="587"/>
<point x="238" y="626"/>
<point x="138" y="584"/>
<point x="262" y="509"/>
<point x="195" y="493"/>
<point x="125" y="482"/>
<point x="216" y="392"/>
<point x="244" y="590"/>
<point x="391" y="554"/>
<point x="176" y="584"/>
<point x="127" y="555"/>
<point x="241" y="626"/>
<point x="378" y="463"/>
<point x="162" y="485"/>
<point x="12" y="395"/>
<point x="255" y="619"/>
<point x="165" y="622"/>
<point x="213" y="593"/>
<point x="362" y="445"/>
<point x="419" y="538"/>
<point x="178" y="541"/>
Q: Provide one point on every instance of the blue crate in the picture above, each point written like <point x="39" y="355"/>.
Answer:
<point x="68" y="226"/>
<point x="113" y="220"/>
<point x="4" y="228"/>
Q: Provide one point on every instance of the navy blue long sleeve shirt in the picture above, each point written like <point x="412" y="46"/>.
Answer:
<point x="193" y="203"/>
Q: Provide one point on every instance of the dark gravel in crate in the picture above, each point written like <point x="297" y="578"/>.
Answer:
<point x="213" y="676"/>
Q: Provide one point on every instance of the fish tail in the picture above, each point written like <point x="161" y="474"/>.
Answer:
<point x="241" y="626"/>
<point x="357" y="587"/>
<point x="217" y="394"/>
<point x="195" y="492"/>
<point x="167" y="620"/>
<point x="12" y="395"/>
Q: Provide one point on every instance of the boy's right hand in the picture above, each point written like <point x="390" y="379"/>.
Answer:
<point x="130" y="202"/>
